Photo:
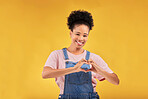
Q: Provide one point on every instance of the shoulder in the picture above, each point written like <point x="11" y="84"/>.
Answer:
<point x="94" y="56"/>
<point x="56" y="52"/>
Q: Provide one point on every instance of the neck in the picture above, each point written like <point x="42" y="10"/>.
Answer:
<point x="75" y="50"/>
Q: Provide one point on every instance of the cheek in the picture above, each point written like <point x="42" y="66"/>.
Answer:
<point x="73" y="38"/>
<point x="86" y="39"/>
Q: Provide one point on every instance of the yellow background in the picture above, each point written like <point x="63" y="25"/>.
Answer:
<point x="31" y="29"/>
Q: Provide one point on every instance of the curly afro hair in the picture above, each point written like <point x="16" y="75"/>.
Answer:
<point x="80" y="17"/>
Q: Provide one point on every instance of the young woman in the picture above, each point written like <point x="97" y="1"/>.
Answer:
<point x="75" y="69"/>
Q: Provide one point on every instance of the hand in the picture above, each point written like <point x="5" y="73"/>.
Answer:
<point x="78" y="68"/>
<point x="95" y="68"/>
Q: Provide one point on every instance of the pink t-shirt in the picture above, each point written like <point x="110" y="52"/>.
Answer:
<point x="56" y="60"/>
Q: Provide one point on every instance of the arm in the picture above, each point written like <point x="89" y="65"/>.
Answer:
<point x="111" y="77"/>
<point x="48" y="72"/>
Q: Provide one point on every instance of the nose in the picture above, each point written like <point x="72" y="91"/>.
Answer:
<point x="80" y="38"/>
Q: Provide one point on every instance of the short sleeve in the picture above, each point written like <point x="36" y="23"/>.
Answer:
<point x="104" y="65"/>
<point x="52" y="60"/>
<point x="99" y="61"/>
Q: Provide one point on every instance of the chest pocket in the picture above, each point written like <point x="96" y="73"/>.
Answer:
<point x="78" y="77"/>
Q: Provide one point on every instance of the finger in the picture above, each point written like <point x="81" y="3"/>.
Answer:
<point x="90" y="61"/>
<point x="83" y="63"/>
<point x="88" y="70"/>
<point x="87" y="63"/>
<point x="83" y="60"/>
<point x="82" y="70"/>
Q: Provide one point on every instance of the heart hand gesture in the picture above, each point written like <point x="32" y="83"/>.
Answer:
<point x="95" y="68"/>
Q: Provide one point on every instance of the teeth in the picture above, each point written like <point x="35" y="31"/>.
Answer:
<point x="79" y="42"/>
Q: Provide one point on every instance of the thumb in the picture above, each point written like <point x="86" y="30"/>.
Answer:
<point x="88" y="70"/>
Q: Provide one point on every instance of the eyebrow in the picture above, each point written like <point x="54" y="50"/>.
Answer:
<point x="80" y="33"/>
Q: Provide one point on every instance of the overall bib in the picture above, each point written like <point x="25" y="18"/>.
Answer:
<point x="78" y="85"/>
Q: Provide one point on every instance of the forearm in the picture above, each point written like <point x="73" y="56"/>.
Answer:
<point x="111" y="77"/>
<point x="52" y="73"/>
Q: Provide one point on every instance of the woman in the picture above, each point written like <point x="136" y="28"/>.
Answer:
<point x="75" y="68"/>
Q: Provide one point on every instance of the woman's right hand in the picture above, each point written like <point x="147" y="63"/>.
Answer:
<point x="49" y="72"/>
<point x="77" y="67"/>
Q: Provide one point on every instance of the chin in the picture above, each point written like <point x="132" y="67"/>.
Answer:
<point x="79" y="46"/>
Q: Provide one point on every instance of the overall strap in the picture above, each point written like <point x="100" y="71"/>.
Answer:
<point x="87" y="55"/>
<point x="65" y="53"/>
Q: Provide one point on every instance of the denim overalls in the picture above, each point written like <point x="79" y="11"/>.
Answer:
<point x="78" y="85"/>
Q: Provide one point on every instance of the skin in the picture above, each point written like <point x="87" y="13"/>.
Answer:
<point x="79" y="37"/>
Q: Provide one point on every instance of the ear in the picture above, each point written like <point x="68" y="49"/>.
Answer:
<point x="70" y="33"/>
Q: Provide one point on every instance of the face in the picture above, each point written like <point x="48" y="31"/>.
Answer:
<point x="79" y="35"/>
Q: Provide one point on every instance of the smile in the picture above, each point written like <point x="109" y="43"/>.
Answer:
<point x="80" y="43"/>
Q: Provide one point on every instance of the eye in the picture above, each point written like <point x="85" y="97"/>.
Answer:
<point x="78" y="34"/>
<point x="84" y="35"/>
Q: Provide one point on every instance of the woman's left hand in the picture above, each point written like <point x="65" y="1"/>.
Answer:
<point x="95" y="68"/>
<point x="111" y="77"/>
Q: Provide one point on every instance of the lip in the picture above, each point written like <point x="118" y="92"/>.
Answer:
<point x="82" y="43"/>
